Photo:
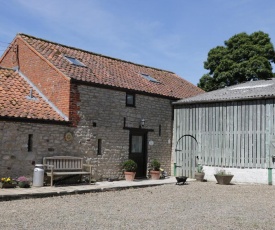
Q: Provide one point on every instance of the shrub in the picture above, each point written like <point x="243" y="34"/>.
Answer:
<point x="23" y="182"/>
<point x="199" y="168"/>
<point x="155" y="165"/>
<point x="129" y="166"/>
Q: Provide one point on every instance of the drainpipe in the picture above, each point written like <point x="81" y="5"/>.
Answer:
<point x="175" y="168"/>
<point x="270" y="170"/>
<point x="269" y="176"/>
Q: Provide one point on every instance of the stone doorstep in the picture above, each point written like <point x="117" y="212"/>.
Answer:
<point x="40" y="192"/>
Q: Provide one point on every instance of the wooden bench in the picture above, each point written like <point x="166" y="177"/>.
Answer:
<point x="66" y="165"/>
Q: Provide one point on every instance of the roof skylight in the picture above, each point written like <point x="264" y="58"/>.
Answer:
<point x="74" y="61"/>
<point x="149" y="78"/>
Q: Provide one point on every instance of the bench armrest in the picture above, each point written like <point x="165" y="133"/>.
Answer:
<point x="88" y="166"/>
<point x="50" y="166"/>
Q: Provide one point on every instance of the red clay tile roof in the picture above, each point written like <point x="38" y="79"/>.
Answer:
<point x="14" y="101"/>
<point x="112" y="72"/>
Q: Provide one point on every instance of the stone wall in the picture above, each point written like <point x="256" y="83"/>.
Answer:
<point x="107" y="109"/>
<point x="48" y="140"/>
<point x="102" y="113"/>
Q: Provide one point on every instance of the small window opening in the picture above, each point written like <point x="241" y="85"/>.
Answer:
<point x="159" y="130"/>
<point x="74" y="61"/>
<point x="130" y="99"/>
<point x="30" y="142"/>
<point x="94" y="124"/>
<point x="149" y="78"/>
<point x="99" y="146"/>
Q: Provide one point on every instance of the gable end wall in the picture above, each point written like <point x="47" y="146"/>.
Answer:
<point x="50" y="82"/>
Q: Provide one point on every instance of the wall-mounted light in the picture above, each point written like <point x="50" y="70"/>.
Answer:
<point x="142" y="123"/>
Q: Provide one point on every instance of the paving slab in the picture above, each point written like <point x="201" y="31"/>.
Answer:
<point x="48" y="191"/>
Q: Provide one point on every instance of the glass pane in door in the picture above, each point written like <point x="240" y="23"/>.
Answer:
<point x="136" y="144"/>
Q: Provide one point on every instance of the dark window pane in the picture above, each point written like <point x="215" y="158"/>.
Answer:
<point x="149" y="78"/>
<point x="99" y="147"/>
<point x="30" y="142"/>
<point x="74" y="61"/>
<point x="130" y="99"/>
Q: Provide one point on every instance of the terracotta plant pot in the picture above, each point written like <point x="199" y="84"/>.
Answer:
<point x="129" y="176"/>
<point x="155" y="175"/>
<point x="199" y="176"/>
<point x="223" y="179"/>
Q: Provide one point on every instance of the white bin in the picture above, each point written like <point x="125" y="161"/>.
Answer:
<point x="38" y="176"/>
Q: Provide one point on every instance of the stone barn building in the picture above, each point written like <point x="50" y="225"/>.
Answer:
<point x="59" y="100"/>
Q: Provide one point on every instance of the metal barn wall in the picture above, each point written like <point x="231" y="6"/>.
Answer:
<point x="228" y="134"/>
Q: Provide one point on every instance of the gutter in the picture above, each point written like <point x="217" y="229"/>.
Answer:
<point x="269" y="176"/>
<point x="223" y="100"/>
<point x="32" y="120"/>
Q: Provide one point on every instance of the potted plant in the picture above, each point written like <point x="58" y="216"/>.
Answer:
<point x="7" y="182"/>
<point x="155" y="170"/>
<point x="23" y="182"/>
<point x="223" y="177"/>
<point x="199" y="174"/>
<point x="129" y="168"/>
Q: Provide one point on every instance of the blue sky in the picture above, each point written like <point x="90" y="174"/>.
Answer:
<point x="173" y="35"/>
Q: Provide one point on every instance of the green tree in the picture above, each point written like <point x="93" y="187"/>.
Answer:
<point x="244" y="57"/>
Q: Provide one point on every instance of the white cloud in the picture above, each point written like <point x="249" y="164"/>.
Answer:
<point x="84" y="19"/>
<point x="93" y="22"/>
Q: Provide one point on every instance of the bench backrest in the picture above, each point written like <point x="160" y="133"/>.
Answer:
<point x="64" y="163"/>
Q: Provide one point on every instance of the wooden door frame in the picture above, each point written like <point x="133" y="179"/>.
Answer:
<point x="141" y="131"/>
<point x="186" y="160"/>
<point x="144" y="135"/>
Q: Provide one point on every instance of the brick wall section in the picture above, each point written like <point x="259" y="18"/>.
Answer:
<point x="107" y="109"/>
<point x="10" y="59"/>
<point x="53" y="84"/>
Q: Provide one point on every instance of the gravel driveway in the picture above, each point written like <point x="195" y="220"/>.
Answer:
<point x="194" y="206"/>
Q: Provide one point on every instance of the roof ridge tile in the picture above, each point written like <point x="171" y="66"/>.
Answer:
<point x="90" y="52"/>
